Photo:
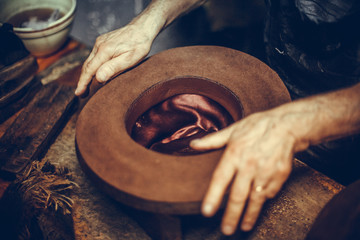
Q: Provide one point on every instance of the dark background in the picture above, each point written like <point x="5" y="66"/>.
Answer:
<point x="231" y="23"/>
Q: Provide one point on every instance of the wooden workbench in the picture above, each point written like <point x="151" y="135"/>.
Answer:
<point x="43" y="63"/>
<point x="96" y="216"/>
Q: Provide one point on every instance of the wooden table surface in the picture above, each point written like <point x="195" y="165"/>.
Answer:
<point x="43" y="63"/>
<point x="95" y="216"/>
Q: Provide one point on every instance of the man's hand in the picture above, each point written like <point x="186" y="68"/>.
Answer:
<point x="260" y="148"/>
<point x="116" y="51"/>
<point x="113" y="53"/>
<point x="256" y="163"/>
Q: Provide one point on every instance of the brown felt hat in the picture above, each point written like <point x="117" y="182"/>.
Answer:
<point x="153" y="181"/>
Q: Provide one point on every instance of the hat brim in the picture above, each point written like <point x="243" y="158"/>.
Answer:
<point x="153" y="181"/>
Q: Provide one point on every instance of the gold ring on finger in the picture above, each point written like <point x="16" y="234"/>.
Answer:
<point x="259" y="189"/>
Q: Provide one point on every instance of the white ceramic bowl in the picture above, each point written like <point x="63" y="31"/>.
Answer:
<point x="43" y="41"/>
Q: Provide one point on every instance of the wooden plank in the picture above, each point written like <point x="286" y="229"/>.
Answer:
<point x="25" y="95"/>
<point x="16" y="77"/>
<point x="35" y="128"/>
<point x="18" y="86"/>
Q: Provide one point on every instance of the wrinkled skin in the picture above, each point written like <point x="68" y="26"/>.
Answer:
<point x="112" y="54"/>
<point x="123" y="48"/>
<point x="260" y="148"/>
<point x="258" y="153"/>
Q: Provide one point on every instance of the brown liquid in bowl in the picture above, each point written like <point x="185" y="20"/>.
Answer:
<point x="40" y="15"/>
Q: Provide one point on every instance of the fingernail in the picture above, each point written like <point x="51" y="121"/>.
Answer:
<point x="246" y="227"/>
<point x="207" y="209"/>
<point x="77" y="91"/>
<point x="227" y="230"/>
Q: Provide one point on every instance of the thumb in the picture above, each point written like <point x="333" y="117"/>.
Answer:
<point x="116" y="66"/>
<point x="109" y="69"/>
<point x="213" y="140"/>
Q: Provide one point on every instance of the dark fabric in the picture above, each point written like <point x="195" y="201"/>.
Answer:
<point x="340" y="218"/>
<point x="338" y="159"/>
<point x="314" y="44"/>
<point x="320" y="11"/>
<point x="169" y="126"/>
<point x="12" y="48"/>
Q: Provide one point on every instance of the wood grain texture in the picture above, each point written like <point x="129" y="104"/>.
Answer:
<point x="16" y="77"/>
<point x="18" y="86"/>
<point x="33" y="130"/>
<point x="31" y="133"/>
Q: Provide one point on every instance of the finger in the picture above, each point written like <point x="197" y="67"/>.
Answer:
<point x="220" y="180"/>
<point x="237" y="200"/>
<point x="253" y="209"/>
<point x="101" y="57"/>
<point x="89" y="69"/>
<point x="92" y="54"/>
<point x="264" y="188"/>
<point x="118" y="65"/>
<point x="276" y="183"/>
<point x="83" y="82"/>
<point x="213" y="140"/>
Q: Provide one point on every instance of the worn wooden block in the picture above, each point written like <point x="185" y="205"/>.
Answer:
<point x="18" y="85"/>
<point x="34" y="129"/>
<point x="15" y="77"/>
<point x="38" y="124"/>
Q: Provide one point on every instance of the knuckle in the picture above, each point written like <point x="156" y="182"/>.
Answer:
<point x="236" y="200"/>
<point x="89" y="68"/>
<point x="105" y="48"/>
<point x="233" y="149"/>
<point x="257" y="197"/>
<point x="85" y="67"/>
<point x="283" y="171"/>
<point x="250" y="164"/>
<point x="129" y="57"/>
<point x="263" y="178"/>
<point x="102" y="47"/>
<point x="98" y="40"/>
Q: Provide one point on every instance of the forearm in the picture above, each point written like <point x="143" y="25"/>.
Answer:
<point x="160" y="13"/>
<point x="322" y="117"/>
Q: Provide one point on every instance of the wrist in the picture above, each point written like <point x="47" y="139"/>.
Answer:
<point x="292" y="126"/>
<point x="321" y="118"/>
<point x="160" y="13"/>
<point x="148" y="23"/>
